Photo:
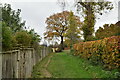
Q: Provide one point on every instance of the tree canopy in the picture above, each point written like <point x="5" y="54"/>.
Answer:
<point x="107" y="31"/>
<point x="89" y="10"/>
<point x="13" y="30"/>
<point x="57" y="25"/>
<point x="12" y="18"/>
<point x="73" y="32"/>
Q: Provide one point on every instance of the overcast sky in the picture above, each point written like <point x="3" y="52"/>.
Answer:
<point x="35" y="12"/>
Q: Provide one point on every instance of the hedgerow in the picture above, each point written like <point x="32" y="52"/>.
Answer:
<point x="105" y="52"/>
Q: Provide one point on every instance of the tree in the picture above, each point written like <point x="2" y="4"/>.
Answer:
<point x="11" y="23"/>
<point x="90" y="9"/>
<point x="73" y="32"/>
<point x="13" y="30"/>
<point x="12" y="18"/>
<point x="35" y="38"/>
<point x="57" y="25"/>
<point x="107" y="31"/>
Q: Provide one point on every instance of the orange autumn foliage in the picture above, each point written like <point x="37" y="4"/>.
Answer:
<point x="105" y="51"/>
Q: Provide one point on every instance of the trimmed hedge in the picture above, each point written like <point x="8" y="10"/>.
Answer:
<point x="105" y="52"/>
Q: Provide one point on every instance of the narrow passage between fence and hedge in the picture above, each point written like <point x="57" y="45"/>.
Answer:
<point x="65" y="65"/>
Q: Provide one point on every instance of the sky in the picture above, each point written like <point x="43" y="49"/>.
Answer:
<point x="35" y="12"/>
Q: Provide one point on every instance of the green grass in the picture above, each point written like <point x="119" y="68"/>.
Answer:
<point x="37" y="69"/>
<point x="64" y="65"/>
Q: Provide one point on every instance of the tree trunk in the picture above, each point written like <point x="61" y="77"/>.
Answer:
<point x="61" y="45"/>
<point x="89" y="23"/>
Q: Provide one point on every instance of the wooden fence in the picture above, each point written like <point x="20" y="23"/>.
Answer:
<point x="19" y="63"/>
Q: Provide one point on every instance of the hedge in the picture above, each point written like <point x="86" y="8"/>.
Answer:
<point x="105" y="52"/>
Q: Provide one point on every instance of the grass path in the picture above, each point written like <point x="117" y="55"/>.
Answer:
<point x="64" y="65"/>
<point x="40" y="70"/>
<point x="45" y="72"/>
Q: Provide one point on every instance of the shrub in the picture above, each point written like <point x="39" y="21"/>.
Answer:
<point x="35" y="39"/>
<point x="6" y="38"/>
<point x="23" y="38"/>
<point x="105" y="51"/>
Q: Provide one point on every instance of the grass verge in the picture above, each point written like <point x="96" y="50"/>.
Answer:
<point x="64" y="65"/>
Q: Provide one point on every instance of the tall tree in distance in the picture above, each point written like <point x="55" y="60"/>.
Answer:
<point x="57" y="26"/>
<point x="90" y="9"/>
<point x="73" y="32"/>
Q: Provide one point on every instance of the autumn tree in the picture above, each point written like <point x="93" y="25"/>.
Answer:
<point x="73" y="32"/>
<point x="89" y="10"/>
<point x="57" y="25"/>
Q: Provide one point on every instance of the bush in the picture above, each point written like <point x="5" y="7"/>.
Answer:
<point x="35" y="39"/>
<point x="23" y="38"/>
<point x="105" y="51"/>
<point x="6" y="38"/>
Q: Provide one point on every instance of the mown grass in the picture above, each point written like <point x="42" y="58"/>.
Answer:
<point x="64" y="65"/>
